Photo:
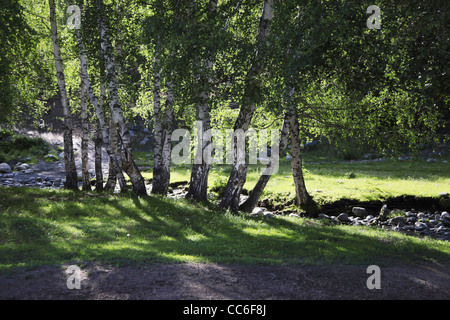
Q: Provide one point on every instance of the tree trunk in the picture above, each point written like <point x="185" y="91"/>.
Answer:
<point x="98" y="159"/>
<point x="302" y="197"/>
<point x="84" y="139"/>
<point x="198" y="185"/>
<point x="238" y="174"/>
<point x="250" y="203"/>
<point x="163" y="125"/>
<point x="114" y="164"/>
<point x="158" y="129"/>
<point x="69" y="159"/>
<point x="128" y="163"/>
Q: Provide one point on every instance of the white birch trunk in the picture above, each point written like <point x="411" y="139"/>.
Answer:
<point x="128" y="163"/>
<point x="114" y="165"/>
<point x="69" y="159"/>
<point x="84" y="139"/>
<point x="302" y="197"/>
<point x="238" y="174"/>
<point x="250" y="203"/>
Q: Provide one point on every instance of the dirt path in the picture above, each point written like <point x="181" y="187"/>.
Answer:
<point x="201" y="281"/>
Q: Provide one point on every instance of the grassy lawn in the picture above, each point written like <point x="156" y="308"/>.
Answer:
<point x="57" y="226"/>
<point x="330" y="181"/>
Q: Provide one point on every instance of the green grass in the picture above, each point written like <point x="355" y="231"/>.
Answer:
<point x="331" y="181"/>
<point x="56" y="226"/>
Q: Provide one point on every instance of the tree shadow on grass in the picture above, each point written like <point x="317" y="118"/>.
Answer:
<point x="71" y="226"/>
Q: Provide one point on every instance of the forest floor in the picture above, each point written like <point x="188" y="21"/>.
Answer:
<point x="206" y="281"/>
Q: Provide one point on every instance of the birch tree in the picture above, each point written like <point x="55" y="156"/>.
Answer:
<point x="198" y="185"/>
<point x="238" y="174"/>
<point x="86" y="184"/>
<point x="128" y="164"/>
<point x="113" y="157"/>
<point x="69" y="159"/>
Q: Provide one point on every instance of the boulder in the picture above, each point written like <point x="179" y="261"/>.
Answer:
<point x="257" y="211"/>
<point x="397" y="220"/>
<point x="343" y="217"/>
<point x="5" y="168"/>
<point x="384" y="212"/>
<point x="360" y="212"/>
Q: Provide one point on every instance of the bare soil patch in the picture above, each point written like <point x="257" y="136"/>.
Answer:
<point x="205" y="281"/>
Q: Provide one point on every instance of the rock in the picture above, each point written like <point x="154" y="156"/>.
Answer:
<point x="359" y="212"/>
<point x="397" y="220"/>
<point x="445" y="215"/>
<point x="257" y="211"/>
<point x="410" y="214"/>
<point x="343" y="217"/>
<point x="420" y="226"/>
<point x="411" y="220"/>
<point x="51" y="157"/>
<point x="434" y="222"/>
<point x="323" y="216"/>
<point x="429" y="160"/>
<point x="443" y="195"/>
<point x="5" y="168"/>
<point x="384" y="212"/>
<point x="421" y="215"/>
<point x="268" y="214"/>
<point x="20" y="168"/>
<point x="294" y="215"/>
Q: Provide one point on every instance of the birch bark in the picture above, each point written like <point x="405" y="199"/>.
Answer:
<point x="238" y="173"/>
<point x="113" y="162"/>
<point x="198" y="185"/>
<point x="86" y="186"/>
<point x="128" y="164"/>
<point x="69" y="159"/>
<point x="250" y="203"/>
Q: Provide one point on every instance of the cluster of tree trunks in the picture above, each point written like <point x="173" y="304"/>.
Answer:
<point x="113" y="134"/>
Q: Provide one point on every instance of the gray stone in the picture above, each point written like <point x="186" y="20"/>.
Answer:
<point x="408" y="228"/>
<point x="421" y="215"/>
<point x="268" y="214"/>
<point x="5" y="168"/>
<point x="445" y="215"/>
<point x="411" y="220"/>
<point x="410" y="214"/>
<point x="323" y="216"/>
<point x="431" y="160"/>
<point x="51" y="157"/>
<point x="384" y="212"/>
<point x="397" y="220"/>
<point x="343" y="217"/>
<point x="359" y="212"/>
<point x="443" y="195"/>
<point x="294" y="215"/>
<point x="421" y="226"/>
<point x="257" y="211"/>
